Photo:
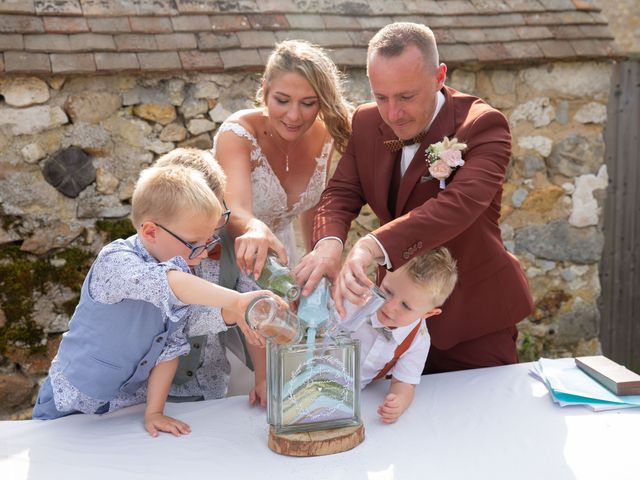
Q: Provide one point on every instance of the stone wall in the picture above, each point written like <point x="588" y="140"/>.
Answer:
<point x="106" y="129"/>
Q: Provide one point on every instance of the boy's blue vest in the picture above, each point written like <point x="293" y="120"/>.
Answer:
<point x="112" y="348"/>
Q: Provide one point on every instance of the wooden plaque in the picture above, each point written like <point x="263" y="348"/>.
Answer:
<point x="320" y="442"/>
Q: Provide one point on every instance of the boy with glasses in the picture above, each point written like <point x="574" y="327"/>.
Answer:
<point x="126" y="333"/>
<point x="204" y="373"/>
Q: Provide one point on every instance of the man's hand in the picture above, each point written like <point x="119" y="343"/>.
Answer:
<point x="157" y="422"/>
<point x="352" y="283"/>
<point x="322" y="260"/>
<point x="252" y="247"/>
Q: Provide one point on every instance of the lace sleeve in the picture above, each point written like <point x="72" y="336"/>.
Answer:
<point x="239" y="130"/>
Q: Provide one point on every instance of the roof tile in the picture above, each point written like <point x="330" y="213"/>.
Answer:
<point x="456" y="7"/>
<point x="214" y="41"/>
<point x="49" y="42"/>
<point x="109" y="25"/>
<point x="557" y="4"/>
<point x="176" y="41"/>
<point x="92" y="41"/>
<point x="524" y="5"/>
<point x="556" y="49"/>
<point x="17" y="6"/>
<point x="456" y="53"/>
<point x="26" y="62"/>
<point x="1" y="62"/>
<point x="268" y="22"/>
<point x="422" y="6"/>
<point x="20" y="24"/>
<point x="469" y="35"/>
<point x="191" y="23"/>
<point x="361" y="38"/>
<point x="159" y="61"/>
<point x="490" y="6"/>
<point x="595" y="48"/>
<point x="196" y="60"/>
<point x="490" y="52"/>
<point x="102" y="8"/>
<point x="256" y="38"/>
<point x="197" y="6"/>
<point x="108" y="61"/>
<point x="340" y="22"/>
<point x="11" y="41"/>
<point x="509" y="19"/>
<point x="223" y="23"/>
<point x="150" y="24"/>
<point x="324" y="38"/>
<point x="72" y="63"/>
<point x="135" y="42"/>
<point x="533" y="32"/>
<point x="241" y="58"/>
<point x="529" y="50"/>
<point x="349" y="57"/>
<point x="305" y="22"/>
<point x="65" y="24"/>
<point x="58" y="7"/>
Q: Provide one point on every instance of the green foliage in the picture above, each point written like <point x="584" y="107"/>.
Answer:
<point x="22" y="274"/>
<point x="528" y="351"/>
<point x="115" y="229"/>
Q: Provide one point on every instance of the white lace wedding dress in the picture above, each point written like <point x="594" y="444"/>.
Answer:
<point x="270" y="201"/>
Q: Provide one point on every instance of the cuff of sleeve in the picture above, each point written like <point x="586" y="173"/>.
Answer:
<point x="387" y="261"/>
<point x="328" y="238"/>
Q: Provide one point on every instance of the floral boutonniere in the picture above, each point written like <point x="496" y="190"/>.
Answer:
<point x="444" y="157"/>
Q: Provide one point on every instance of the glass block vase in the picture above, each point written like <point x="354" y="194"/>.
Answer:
<point x="313" y="387"/>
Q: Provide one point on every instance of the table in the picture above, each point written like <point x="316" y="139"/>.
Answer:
<point x="492" y="423"/>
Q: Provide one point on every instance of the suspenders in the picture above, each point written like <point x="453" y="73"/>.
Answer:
<point x="400" y="349"/>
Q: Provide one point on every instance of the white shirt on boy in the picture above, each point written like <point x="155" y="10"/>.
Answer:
<point x="376" y="351"/>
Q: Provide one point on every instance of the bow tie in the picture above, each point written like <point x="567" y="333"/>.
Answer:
<point x="384" y="331"/>
<point x="397" y="144"/>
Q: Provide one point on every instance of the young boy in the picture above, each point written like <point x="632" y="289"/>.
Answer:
<point x="126" y="334"/>
<point x="203" y="374"/>
<point x="395" y="340"/>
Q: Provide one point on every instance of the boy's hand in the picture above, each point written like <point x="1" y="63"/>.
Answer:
<point x="391" y="408"/>
<point x="258" y="394"/>
<point x="155" y="422"/>
<point x="244" y="300"/>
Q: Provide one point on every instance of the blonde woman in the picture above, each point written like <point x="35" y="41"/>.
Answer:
<point x="277" y="156"/>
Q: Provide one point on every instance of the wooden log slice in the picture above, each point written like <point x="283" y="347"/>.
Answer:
<point x="320" y="442"/>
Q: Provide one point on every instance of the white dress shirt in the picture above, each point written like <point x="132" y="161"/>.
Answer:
<point x="376" y="351"/>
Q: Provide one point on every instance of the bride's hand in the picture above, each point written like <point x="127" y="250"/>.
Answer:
<point x="252" y="248"/>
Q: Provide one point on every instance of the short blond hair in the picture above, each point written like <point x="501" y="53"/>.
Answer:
<point x="201" y="160"/>
<point x="166" y="193"/>
<point x="436" y="271"/>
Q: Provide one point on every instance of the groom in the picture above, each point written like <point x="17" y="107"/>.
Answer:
<point x="386" y="166"/>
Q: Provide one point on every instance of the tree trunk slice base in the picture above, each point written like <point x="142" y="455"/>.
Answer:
<point x="320" y="442"/>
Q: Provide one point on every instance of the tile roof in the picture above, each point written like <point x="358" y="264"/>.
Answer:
<point x="97" y="36"/>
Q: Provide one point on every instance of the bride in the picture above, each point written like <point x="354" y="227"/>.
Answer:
<point x="277" y="157"/>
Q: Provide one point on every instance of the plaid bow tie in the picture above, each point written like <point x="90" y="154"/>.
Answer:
<point x="384" y="331"/>
<point x="397" y="144"/>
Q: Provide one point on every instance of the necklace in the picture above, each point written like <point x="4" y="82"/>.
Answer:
<point x="286" y="154"/>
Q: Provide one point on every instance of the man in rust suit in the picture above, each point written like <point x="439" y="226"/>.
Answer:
<point x="385" y="166"/>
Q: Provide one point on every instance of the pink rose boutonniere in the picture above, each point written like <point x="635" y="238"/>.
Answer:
<point x="443" y="158"/>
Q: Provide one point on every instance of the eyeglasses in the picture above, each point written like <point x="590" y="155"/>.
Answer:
<point x="195" y="249"/>
<point x="225" y="216"/>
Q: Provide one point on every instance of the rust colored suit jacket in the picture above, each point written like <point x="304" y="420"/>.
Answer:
<point x="492" y="291"/>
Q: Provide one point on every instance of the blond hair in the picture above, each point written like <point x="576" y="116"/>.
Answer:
<point x="201" y="160"/>
<point x="436" y="271"/>
<point x="167" y="193"/>
<point x="391" y="40"/>
<point x="313" y="63"/>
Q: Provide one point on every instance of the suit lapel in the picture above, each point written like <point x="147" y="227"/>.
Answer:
<point x="443" y="125"/>
<point x="383" y="171"/>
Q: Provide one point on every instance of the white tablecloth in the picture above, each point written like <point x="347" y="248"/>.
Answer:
<point x="494" y="423"/>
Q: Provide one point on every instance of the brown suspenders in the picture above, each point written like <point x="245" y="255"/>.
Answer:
<point x="400" y="349"/>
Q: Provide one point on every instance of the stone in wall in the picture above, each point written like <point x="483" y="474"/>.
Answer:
<point x="576" y="155"/>
<point x="585" y="210"/>
<point x="92" y="107"/>
<point x="70" y="171"/>
<point x="23" y="91"/>
<point x="561" y="242"/>
<point x="31" y="120"/>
